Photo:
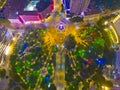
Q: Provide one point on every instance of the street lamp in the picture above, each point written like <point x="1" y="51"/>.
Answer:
<point x="7" y="50"/>
<point x="106" y="22"/>
<point x="105" y="88"/>
<point x="14" y="39"/>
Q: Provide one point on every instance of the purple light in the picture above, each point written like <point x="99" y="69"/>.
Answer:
<point x="30" y="18"/>
<point x="82" y="14"/>
<point x="61" y="27"/>
<point x="67" y="9"/>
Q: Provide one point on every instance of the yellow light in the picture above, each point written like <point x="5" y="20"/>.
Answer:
<point x="2" y="3"/>
<point x="106" y="29"/>
<point x="14" y="38"/>
<point x="7" y="50"/>
<point x="115" y="34"/>
<point x="105" y="88"/>
<point x="106" y="22"/>
<point x="116" y="18"/>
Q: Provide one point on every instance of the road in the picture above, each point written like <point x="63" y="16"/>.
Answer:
<point x="6" y="64"/>
<point x="2" y="3"/>
<point x="5" y="39"/>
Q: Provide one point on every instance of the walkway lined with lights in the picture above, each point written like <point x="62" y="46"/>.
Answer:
<point x="60" y="71"/>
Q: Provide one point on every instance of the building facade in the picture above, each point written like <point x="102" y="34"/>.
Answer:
<point x="117" y="63"/>
<point x="78" y="6"/>
<point x="27" y="11"/>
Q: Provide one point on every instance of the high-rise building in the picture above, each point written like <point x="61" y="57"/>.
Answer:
<point x="78" y="6"/>
<point x="117" y="64"/>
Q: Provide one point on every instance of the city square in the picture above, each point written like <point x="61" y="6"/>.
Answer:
<point x="59" y="45"/>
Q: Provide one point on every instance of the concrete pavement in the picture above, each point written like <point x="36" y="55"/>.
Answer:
<point x="60" y="71"/>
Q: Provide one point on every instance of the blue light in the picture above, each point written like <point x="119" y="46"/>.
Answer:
<point x="25" y="45"/>
<point x="47" y="78"/>
<point x="21" y="53"/>
<point x="85" y="62"/>
<point x="100" y="61"/>
<point x="16" y="13"/>
<point x="67" y="5"/>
